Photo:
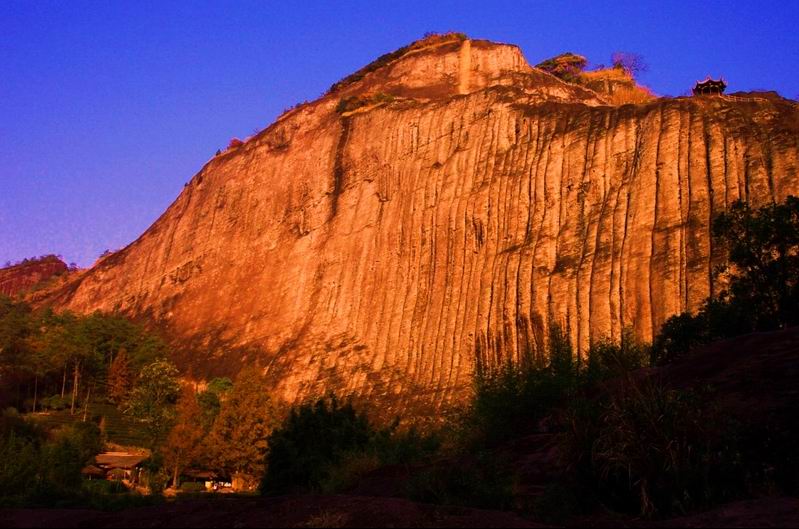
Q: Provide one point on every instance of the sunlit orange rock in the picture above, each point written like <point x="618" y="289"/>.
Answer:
<point x="21" y="277"/>
<point x="469" y="201"/>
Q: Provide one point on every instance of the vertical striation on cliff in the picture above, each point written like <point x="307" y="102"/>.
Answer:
<point x="382" y="251"/>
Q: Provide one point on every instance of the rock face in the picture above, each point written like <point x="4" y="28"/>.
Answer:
<point x="383" y="251"/>
<point x="20" y="277"/>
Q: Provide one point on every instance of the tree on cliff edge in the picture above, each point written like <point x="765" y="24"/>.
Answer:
<point x="632" y="63"/>
<point x="567" y="66"/>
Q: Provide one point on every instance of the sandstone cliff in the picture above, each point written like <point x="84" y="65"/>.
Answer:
<point x="20" y="277"/>
<point x="381" y="251"/>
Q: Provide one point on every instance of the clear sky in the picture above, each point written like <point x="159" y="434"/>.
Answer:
<point x="108" y="108"/>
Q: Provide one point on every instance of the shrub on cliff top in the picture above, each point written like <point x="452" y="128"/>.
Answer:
<point x="632" y="63"/>
<point x="567" y="66"/>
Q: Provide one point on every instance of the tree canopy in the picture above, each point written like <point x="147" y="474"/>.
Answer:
<point x="238" y="439"/>
<point x="183" y="445"/>
<point x="152" y="398"/>
<point x="760" y="280"/>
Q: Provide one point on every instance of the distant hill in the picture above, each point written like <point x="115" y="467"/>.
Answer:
<point x="19" y="277"/>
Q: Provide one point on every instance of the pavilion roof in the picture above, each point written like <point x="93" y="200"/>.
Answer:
<point x="710" y="80"/>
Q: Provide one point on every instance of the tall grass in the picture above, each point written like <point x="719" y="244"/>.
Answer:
<point x="480" y="481"/>
<point x="653" y="450"/>
<point x="515" y="397"/>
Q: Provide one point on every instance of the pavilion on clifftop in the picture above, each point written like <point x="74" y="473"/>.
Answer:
<point x="710" y="87"/>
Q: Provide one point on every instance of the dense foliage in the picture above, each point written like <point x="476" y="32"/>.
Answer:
<point x="210" y="400"/>
<point x="567" y="66"/>
<point x="326" y="445"/>
<point x="74" y="365"/>
<point x="48" y="358"/>
<point x="645" y="448"/>
<point x="152" y="398"/>
<point x="39" y="467"/>
<point x="239" y="437"/>
<point x="314" y="437"/>
<point x="762" y="277"/>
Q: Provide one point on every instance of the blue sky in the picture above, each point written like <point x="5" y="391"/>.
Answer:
<point x="108" y="108"/>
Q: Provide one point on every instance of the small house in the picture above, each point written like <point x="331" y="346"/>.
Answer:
<point x="121" y="466"/>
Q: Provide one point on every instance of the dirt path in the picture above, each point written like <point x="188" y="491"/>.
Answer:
<point x="286" y="511"/>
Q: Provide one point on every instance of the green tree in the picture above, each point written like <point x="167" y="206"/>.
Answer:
<point x="238" y="439"/>
<point x="109" y="333"/>
<point x="210" y="400"/>
<point x="763" y="250"/>
<point x="311" y="441"/>
<point x="19" y="457"/>
<point x="762" y="280"/>
<point x="65" y="341"/>
<point x="16" y="327"/>
<point x="40" y="349"/>
<point x="39" y="467"/>
<point x="220" y="385"/>
<point x="152" y="399"/>
<point x="607" y="359"/>
<point x="38" y="363"/>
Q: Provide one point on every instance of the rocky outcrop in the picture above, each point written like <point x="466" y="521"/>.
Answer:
<point x="18" y="278"/>
<point x="382" y="251"/>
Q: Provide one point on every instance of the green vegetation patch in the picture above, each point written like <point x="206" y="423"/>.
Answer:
<point x="352" y="103"/>
<point x="762" y="271"/>
<point x="327" y="445"/>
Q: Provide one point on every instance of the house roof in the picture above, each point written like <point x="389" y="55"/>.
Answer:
<point x="92" y="470"/>
<point x="119" y="459"/>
